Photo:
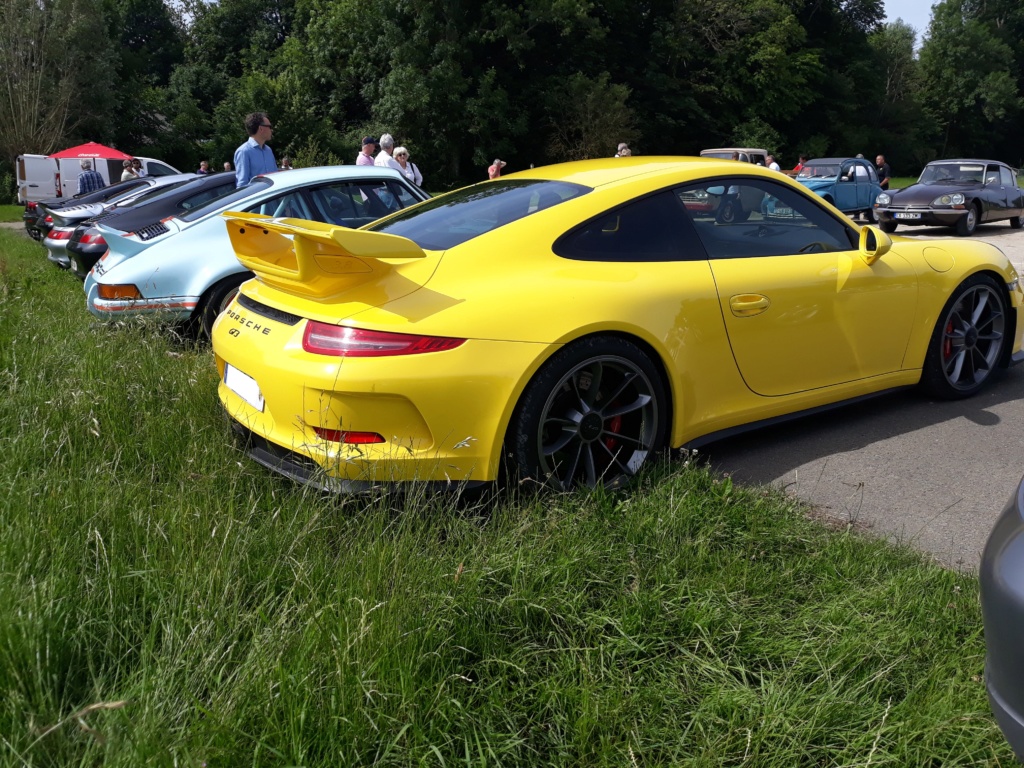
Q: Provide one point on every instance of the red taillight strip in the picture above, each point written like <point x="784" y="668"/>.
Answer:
<point x="341" y="341"/>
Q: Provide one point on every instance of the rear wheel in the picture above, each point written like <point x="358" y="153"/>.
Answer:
<point x="967" y="344"/>
<point x="1017" y="222"/>
<point x="968" y="222"/>
<point x="593" y="415"/>
<point x="216" y="300"/>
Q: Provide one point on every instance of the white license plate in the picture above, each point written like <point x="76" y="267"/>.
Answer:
<point x="906" y="215"/>
<point x="244" y="386"/>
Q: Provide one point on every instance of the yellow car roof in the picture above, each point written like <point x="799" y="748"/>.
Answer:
<point x="609" y="170"/>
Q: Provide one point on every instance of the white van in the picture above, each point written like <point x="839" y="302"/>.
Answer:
<point x="42" y="178"/>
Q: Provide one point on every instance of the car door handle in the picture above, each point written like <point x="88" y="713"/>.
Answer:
<point x="747" y="304"/>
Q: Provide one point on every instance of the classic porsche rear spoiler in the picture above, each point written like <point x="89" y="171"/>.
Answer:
<point x="309" y="258"/>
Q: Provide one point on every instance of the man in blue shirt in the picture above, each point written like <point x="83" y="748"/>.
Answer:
<point x="89" y="180"/>
<point x="254" y="156"/>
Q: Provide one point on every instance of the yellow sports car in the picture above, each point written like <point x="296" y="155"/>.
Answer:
<point x="566" y="324"/>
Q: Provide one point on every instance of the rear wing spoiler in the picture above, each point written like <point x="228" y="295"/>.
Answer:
<point x="311" y="258"/>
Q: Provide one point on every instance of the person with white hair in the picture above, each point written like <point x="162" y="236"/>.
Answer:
<point x="624" y="150"/>
<point x="409" y="169"/>
<point x="384" y="158"/>
<point x="89" y="180"/>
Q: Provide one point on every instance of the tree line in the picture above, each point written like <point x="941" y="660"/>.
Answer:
<point x="461" y="82"/>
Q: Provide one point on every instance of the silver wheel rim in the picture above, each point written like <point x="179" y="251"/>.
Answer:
<point x="971" y="219"/>
<point x="972" y="337"/>
<point x="598" y="425"/>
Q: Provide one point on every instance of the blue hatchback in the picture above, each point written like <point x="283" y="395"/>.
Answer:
<point x="848" y="183"/>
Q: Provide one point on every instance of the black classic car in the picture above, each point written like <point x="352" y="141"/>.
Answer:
<point x="955" y="193"/>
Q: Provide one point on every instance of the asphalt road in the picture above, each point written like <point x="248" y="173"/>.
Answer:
<point x="931" y="474"/>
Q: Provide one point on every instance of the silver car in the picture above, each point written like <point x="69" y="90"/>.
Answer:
<point x="1002" y="606"/>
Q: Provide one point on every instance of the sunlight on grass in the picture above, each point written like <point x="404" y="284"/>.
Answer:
<point x="167" y="601"/>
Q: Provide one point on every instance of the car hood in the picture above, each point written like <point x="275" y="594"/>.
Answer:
<point x="922" y="194"/>
<point x="819" y="183"/>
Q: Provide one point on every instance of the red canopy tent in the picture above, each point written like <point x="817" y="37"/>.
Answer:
<point x="90" y="151"/>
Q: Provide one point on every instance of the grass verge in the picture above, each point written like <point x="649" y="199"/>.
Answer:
<point x="11" y="212"/>
<point x="166" y="601"/>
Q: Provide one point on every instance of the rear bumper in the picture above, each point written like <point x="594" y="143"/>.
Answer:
<point x="168" y="308"/>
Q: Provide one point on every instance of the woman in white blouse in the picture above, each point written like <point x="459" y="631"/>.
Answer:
<point x="412" y="173"/>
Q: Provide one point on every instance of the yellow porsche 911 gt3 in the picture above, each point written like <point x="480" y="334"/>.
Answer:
<point x="566" y="324"/>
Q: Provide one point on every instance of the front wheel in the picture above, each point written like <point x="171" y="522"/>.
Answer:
<point x="967" y="344"/>
<point x="593" y="415"/>
<point x="216" y="300"/>
<point x="968" y="222"/>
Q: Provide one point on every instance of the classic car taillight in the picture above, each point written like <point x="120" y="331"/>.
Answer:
<point x="92" y="240"/>
<point x="119" y="292"/>
<point x="325" y="339"/>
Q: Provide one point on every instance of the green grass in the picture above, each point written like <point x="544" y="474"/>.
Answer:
<point x="166" y="601"/>
<point x="11" y="212"/>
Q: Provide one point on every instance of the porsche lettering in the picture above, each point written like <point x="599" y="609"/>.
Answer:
<point x="247" y="323"/>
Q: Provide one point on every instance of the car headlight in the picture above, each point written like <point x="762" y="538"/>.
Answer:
<point x="957" y="198"/>
<point x="883" y="199"/>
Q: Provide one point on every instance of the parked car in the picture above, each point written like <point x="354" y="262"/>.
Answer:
<point x="183" y="268"/>
<point x="849" y="183"/>
<point x="1002" y="609"/>
<point x="570" y="322"/>
<point x="63" y="221"/>
<point x="955" y="193"/>
<point x="747" y="154"/>
<point x="87" y="244"/>
<point x="35" y="220"/>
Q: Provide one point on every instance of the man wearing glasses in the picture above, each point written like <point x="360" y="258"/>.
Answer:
<point x="254" y="156"/>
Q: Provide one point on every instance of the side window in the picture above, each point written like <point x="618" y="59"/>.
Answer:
<point x="402" y="194"/>
<point x="862" y="172"/>
<point x="1006" y="177"/>
<point x="992" y="174"/>
<point x="872" y="173"/>
<point x="288" y="205"/>
<point x="748" y="218"/>
<point x="153" y="168"/>
<point x="651" y="229"/>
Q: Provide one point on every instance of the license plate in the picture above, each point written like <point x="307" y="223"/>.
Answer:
<point x="244" y="386"/>
<point x="906" y="215"/>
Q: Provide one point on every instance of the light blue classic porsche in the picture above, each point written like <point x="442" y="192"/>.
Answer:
<point x="848" y="183"/>
<point x="184" y="269"/>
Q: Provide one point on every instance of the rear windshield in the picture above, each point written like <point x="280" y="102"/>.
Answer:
<point x="154" y="192"/>
<point x="257" y="185"/>
<point x="452" y="219"/>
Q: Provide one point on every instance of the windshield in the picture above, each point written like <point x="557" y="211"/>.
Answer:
<point x="257" y="185"/>
<point x="952" y="173"/>
<point x="819" y="172"/>
<point x="459" y="216"/>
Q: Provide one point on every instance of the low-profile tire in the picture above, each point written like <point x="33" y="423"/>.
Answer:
<point x="593" y="415"/>
<point x="1017" y="222"/>
<point x="216" y="300"/>
<point x="967" y="346"/>
<point x="968" y="222"/>
<point x="888" y="226"/>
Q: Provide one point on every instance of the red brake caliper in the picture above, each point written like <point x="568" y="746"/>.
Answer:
<point x="947" y="345"/>
<point x="614" y="425"/>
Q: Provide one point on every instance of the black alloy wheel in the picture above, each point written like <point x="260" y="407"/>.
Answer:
<point x="966" y="347"/>
<point x="593" y="415"/>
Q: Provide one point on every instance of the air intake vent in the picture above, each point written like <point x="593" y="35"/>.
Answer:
<point x="153" y="230"/>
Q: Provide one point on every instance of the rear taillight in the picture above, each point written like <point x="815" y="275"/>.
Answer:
<point x="119" y="292"/>
<point x="92" y="240"/>
<point x="48" y="219"/>
<point x="30" y="206"/>
<point x="59" y="234"/>
<point x="348" y="437"/>
<point x="338" y="340"/>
